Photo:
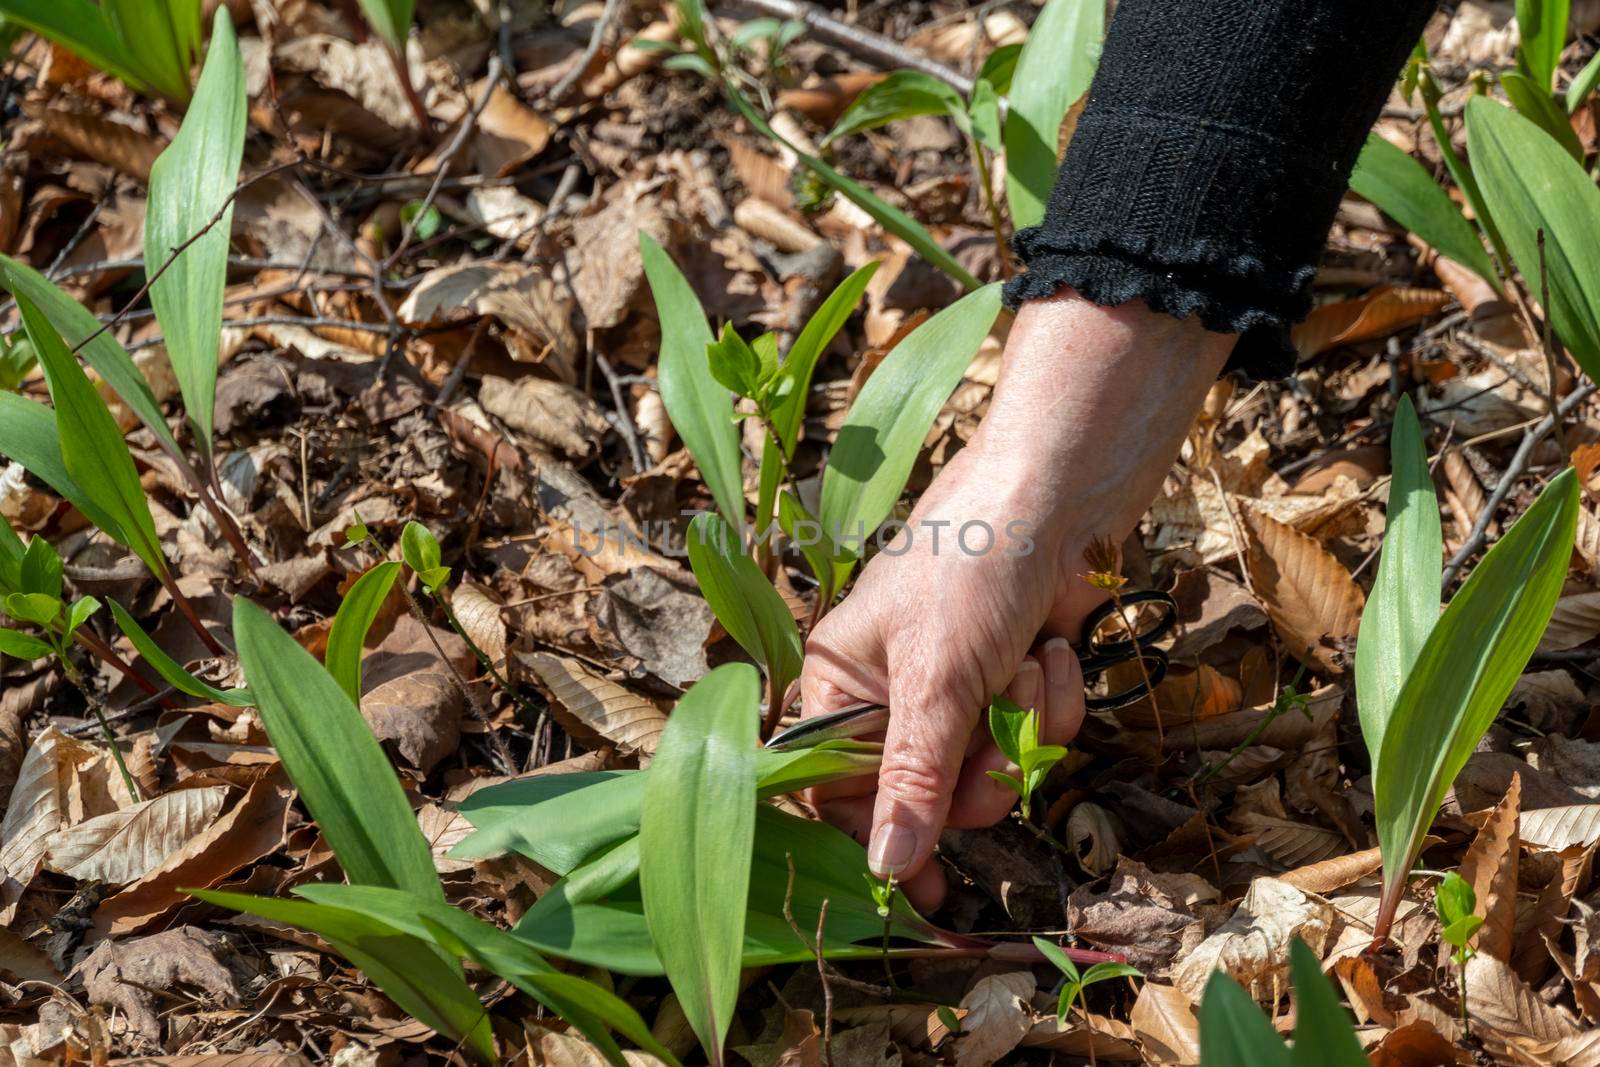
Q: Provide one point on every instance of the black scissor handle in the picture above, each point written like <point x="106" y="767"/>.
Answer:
<point x="1126" y="649"/>
<point x="1155" y="669"/>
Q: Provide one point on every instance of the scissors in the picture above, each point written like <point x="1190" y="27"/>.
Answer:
<point x="1101" y="654"/>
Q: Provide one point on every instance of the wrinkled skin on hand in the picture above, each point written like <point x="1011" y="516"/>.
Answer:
<point x="1089" y="412"/>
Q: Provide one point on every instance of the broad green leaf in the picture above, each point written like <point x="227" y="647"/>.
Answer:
<point x="1008" y="723"/>
<point x="1001" y="67"/>
<point x="696" y="834"/>
<point x="22" y="646"/>
<point x="466" y="937"/>
<point x="162" y="38"/>
<point x="12" y="550"/>
<point x="743" y="600"/>
<point x="28" y="436"/>
<point x="40" y="609"/>
<point x="190" y="182"/>
<point x="1404" y="604"/>
<point x="581" y="814"/>
<point x="1529" y="185"/>
<point x="92" y="448"/>
<point x="1460" y="172"/>
<point x="392" y="20"/>
<point x="1105" y="972"/>
<point x="1539" y="107"/>
<point x="1405" y="191"/>
<point x="1233" y="1031"/>
<point x="1582" y="85"/>
<point x="351" y="624"/>
<point x="82" y="28"/>
<point x="420" y="549"/>
<point x="40" y="569"/>
<point x="410" y="971"/>
<point x="170" y="669"/>
<point x="701" y="410"/>
<point x="734" y="364"/>
<point x="344" y="778"/>
<point x="792" y="385"/>
<point x="878" y="444"/>
<point x="903" y="94"/>
<point x="885" y="214"/>
<point x="1324" y="1035"/>
<point x="1542" y="26"/>
<point x="1454" y="898"/>
<point x="1460" y="932"/>
<point x="1466" y="669"/>
<point x="75" y="323"/>
<point x="81" y="612"/>
<point x="1055" y="68"/>
<point x="806" y="533"/>
<point x="828" y="866"/>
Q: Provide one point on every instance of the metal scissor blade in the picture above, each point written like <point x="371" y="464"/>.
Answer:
<point x="853" y="721"/>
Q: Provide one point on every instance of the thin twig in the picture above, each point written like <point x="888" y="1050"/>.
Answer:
<point x="630" y="433"/>
<point x="607" y="18"/>
<point x="1514" y="470"/>
<point x="861" y="43"/>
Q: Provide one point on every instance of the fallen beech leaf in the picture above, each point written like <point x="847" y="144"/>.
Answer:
<point x="36" y="810"/>
<point x="121" y="846"/>
<point x="410" y="695"/>
<point x="1140" y="915"/>
<point x="478" y="610"/>
<point x="1363" y="990"/>
<point x="536" y="311"/>
<point x="1415" y="1044"/>
<point x="21" y="961"/>
<point x="1575" y="621"/>
<point x="1561" y="827"/>
<point x="1290" y="842"/>
<point x="1546" y="920"/>
<point x="1252" y="947"/>
<point x="606" y="266"/>
<point x="1498" y="1000"/>
<point x="508" y="134"/>
<point x="1286" y="732"/>
<point x="1490" y="865"/>
<point x="1165" y="1023"/>
<point x="1311" y="599"/>
<point x="1092" y="836"/>
<point x="548" y="1048"/>
<point x="251" y="830"/>
<point x="1377" y="314"/>
<point x="997" y="1016"/>
<point x="596" y="710"/>
<point x="1181" y="698"/>
<point x="555" y="415"/>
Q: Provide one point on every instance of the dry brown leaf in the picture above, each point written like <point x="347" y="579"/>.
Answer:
<point x="21" y="961"/>
<point x="549" y="1048"/>
<point x="1575" y="621"/>
<point x="1377" y="314"/>
<point x="607" y="271"/>
<point x="1311" y="599"/>
<point x="535" y="310"/>
<point x="123" y="846"/>
<point x="508" y="133"/>
<point x="1252" y="947"/>
<point x="596" y="710"/>
<point x="1490" y="865"/>
<point x="130" y="975"/>
<point x="101" y="139"/>
<point x="253" y="829"/>
<point x="410" y="696"/>
<point x="1286" y="732"/>
<point x="1335" y="873"/>
<point x="1291" y="843"/>
<point x="555" y="415"/>
<point x="1416" y="1044"/>
<point x="1363" y="990"/>
<point x="1537" y="925"/>
<point x="1181" y="698"/>
<point x="1166" y="1025"/>
<point x="1499" y="1001"/>
<point x="477" y="608"/>
<point x="823" y="100"/>
<point x="38" y="808"/>
<point x="1092" y="836"/>
<point x="1561" y="827"/>
<point x="997" y="1017"/>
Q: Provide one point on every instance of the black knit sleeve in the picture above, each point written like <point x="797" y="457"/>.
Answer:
<point x="1210" y="158"/>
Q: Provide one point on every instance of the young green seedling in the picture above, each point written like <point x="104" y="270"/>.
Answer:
<point x="1074" y="982"/>
<point x="1016" y="733"/>
<point x="1455" y="902"/>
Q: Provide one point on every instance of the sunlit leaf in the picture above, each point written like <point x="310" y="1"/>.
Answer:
<point x="1465" y="670"/>
<point x="1405" y="191"/>
<point x="743" y="600"/>
<point x="1540" y="108"/>
<point x="85" y="29"/>
<point x="1054" y="70"/>
<point x="1324" y="1034"/>
<point x="902" y="95"/>
<point x="1542" y="29"/>
<point x="883" y="432"/>
<point x="190" y="182"/>
<point x="701" y="409"/>
<point x="170" y="669"/>
<point x="696" y="834"/>
<point x="1582" y="85"/>
<point x="160" y="37"/>
<point x="1404" y="604"/>
<point x="351" y="623"/>
<point x="1530" y="185"/>
<point x="28" y="436"/>
<point x="1233" y="1031"/>
<point x="391" y="18"/>
<point x="344" y="778"/>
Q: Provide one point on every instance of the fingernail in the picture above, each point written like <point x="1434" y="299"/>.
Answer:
<point x="1057" y="653"/>
<point x="1027" y="685"/>
<point x="892" y="848"/>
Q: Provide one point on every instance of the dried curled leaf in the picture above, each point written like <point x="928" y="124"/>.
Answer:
<point x="121" y="846"/>
<point x="1376" y="314"/>
<point x="1311" y="599"/>
<point x="596" y="710"/>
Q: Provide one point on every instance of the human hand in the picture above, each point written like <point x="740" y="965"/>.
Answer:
<point x="1091" y="407"/>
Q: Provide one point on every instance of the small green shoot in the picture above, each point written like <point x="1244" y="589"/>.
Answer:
<point x="1075" y="982"/>
<point x="1016" y="733"/>
<point x="1456" y="904"/>
<point x="420" y="549"/>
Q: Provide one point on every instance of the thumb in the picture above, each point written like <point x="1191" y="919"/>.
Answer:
<point x="922" y="755"/>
